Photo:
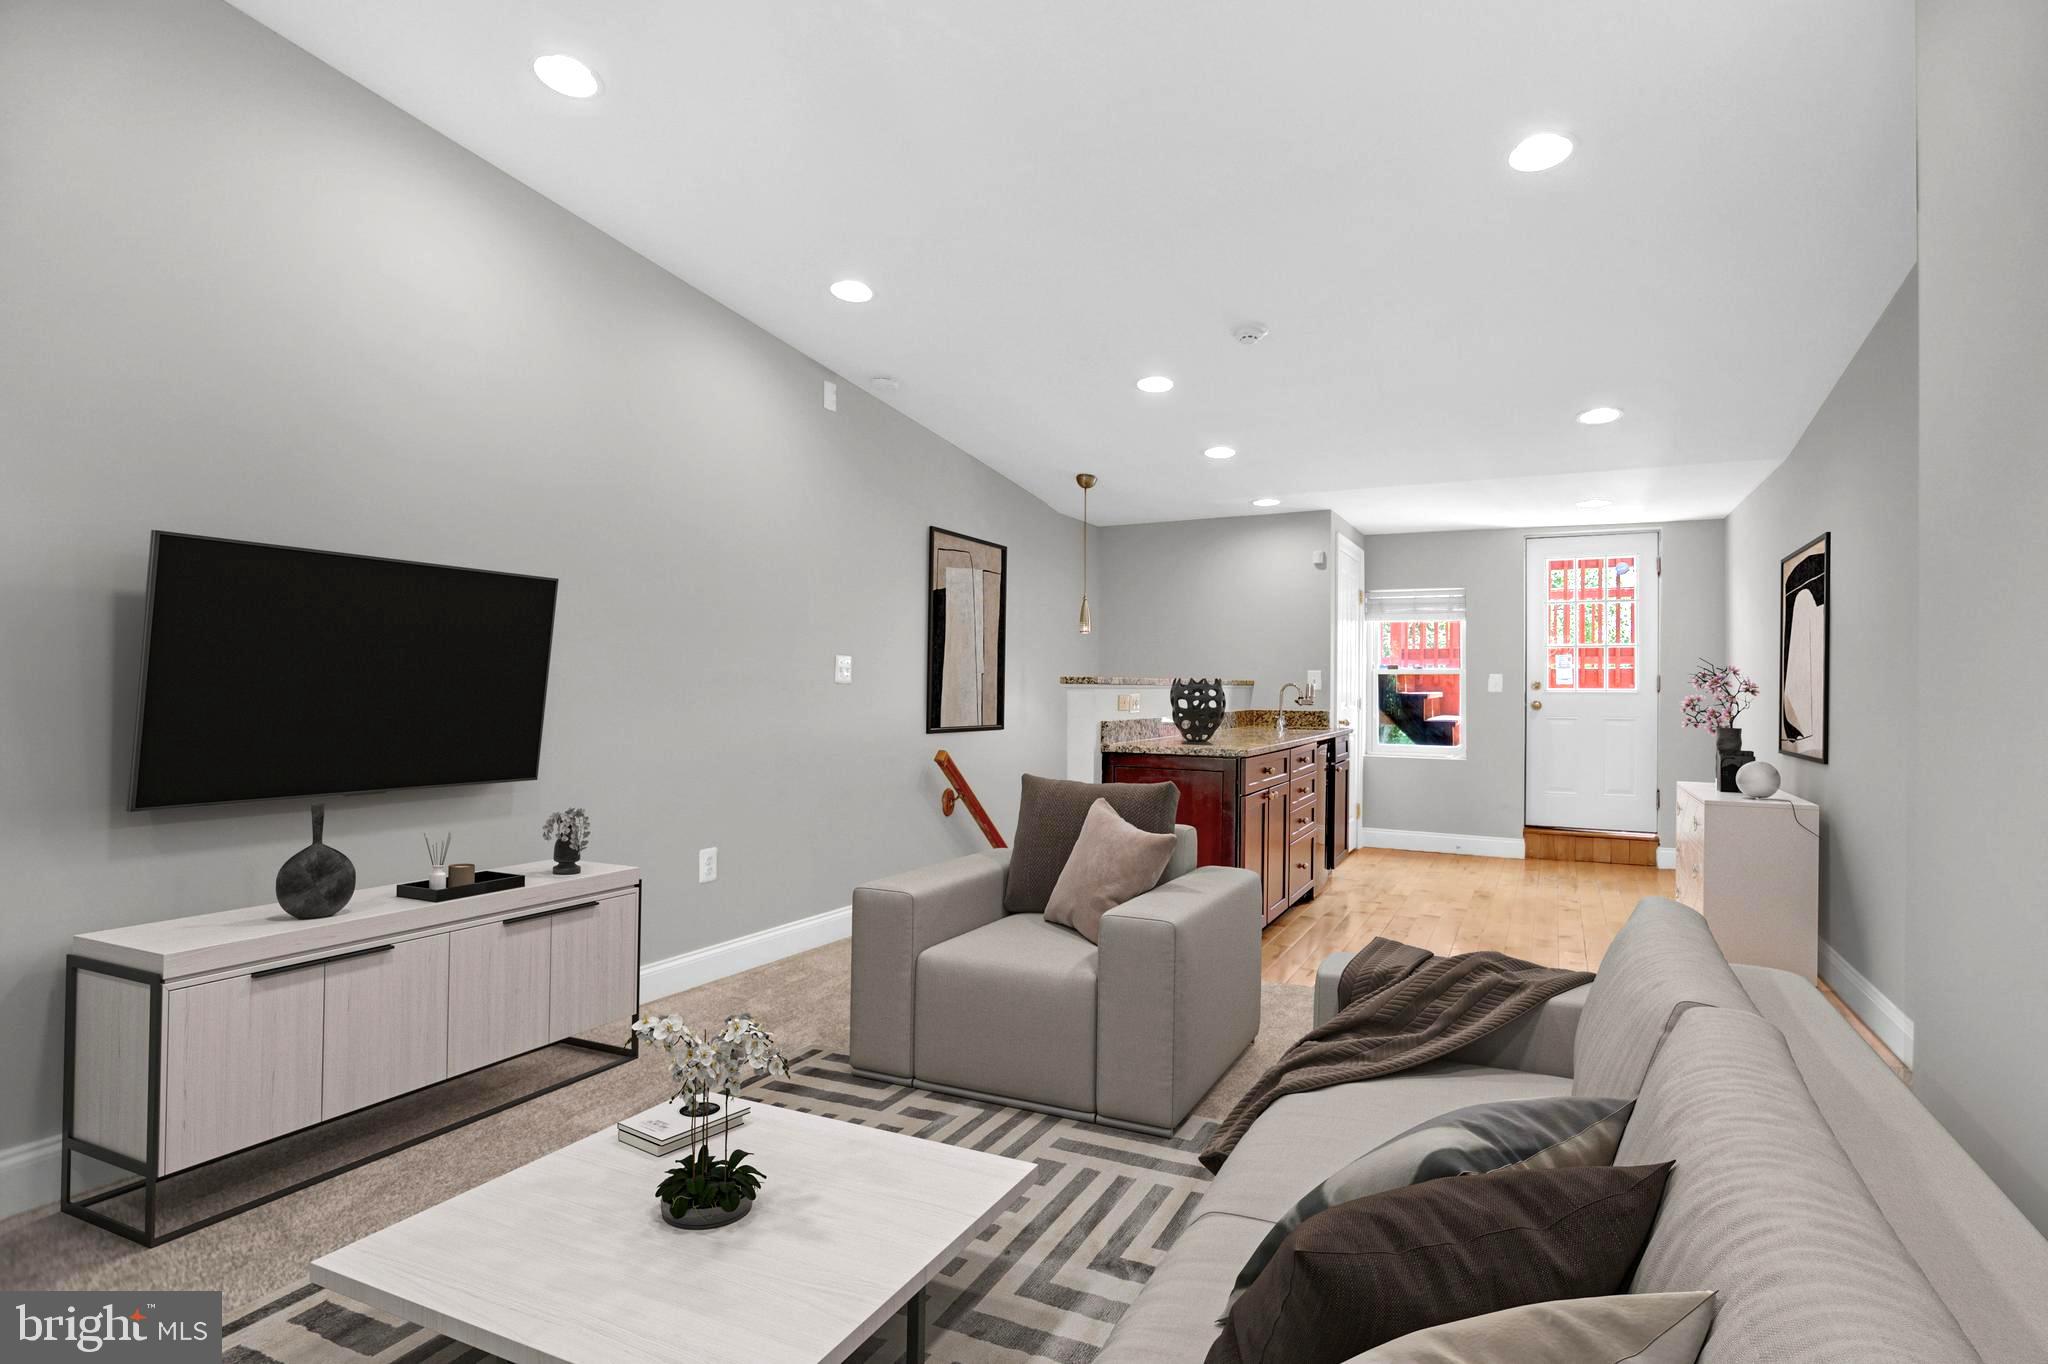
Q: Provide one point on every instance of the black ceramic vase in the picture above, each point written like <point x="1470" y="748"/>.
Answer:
<point x="318" y="880"/>
<point x="1729" y="758"/>
<point x="1197" y="707"/>
<point x="566" y="858"/>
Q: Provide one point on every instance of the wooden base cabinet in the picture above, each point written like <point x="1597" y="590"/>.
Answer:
<point x="193" y="1039"/>
<point x="1265" y="813"/>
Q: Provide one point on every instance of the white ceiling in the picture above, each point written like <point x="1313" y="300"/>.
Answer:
<point x="1054" y="198"/>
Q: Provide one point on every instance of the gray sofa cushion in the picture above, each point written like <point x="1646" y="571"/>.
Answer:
<point x="1979" y="1251"/>
<point x="1765" y="1207"/>
<point x="1174" y="1319"/>
<point x="1050" y="814"/>
<point x="1664" y="957"/>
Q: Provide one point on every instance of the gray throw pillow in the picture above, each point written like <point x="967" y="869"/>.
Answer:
<point x="1111" y="863"/>
<point x="1631" y="1328"/>
<point x="1370" y="1271"/>
<point x="1532" y="1134"/>
<point x="1050" y="814"/>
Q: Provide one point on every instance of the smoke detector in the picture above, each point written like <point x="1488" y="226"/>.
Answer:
<point x="886" y="383"/>
<point x="1249" y="333"/>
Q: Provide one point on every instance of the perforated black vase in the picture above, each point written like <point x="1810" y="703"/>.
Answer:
<point x="1197" y="707"/>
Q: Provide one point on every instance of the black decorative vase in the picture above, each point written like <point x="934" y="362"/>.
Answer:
<point x="318" y="880"/>
<point x="703" y="1219"/>
<point x="1729" y="757"/>
<point x="566" y="859"/>
<point x="1197" y="707"/>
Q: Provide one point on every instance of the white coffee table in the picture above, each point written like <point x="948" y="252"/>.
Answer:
<point x="567" y="1260"/>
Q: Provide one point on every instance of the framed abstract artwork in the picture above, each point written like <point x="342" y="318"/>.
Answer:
<point x="1806" y="602"/>
<point x="966" y="589"/>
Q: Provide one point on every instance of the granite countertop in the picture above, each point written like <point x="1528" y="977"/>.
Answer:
<point x="1235" y="741"/>
<point x="1088" y="681"/>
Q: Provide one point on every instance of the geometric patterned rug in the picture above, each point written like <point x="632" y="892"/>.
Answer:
<point x="1048" y="1280"/>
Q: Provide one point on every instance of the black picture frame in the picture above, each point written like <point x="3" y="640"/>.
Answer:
<point x="1807" y="571"/>
<point x="935" y="634"/>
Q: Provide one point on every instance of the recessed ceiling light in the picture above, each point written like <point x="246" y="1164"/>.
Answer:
<point x="1599" y="416"/>
<point x="1154" y="383"/>
<point x="1540" y="151"/>
<point x="1265" y="502"/>
<point x="1594" y="504"/>
<point x="1220" y="452"/>
<point x="852" y="291"/>
<point x="564" y="75"/>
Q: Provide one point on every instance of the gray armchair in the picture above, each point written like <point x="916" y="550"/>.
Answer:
<point x="952" y="994"/>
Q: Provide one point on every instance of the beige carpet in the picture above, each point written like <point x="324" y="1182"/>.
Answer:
<point x="259" y="1254"/>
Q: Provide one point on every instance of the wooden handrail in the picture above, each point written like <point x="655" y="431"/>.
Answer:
<point x="959" y="789"/>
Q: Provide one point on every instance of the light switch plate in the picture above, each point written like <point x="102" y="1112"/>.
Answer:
<point x="1315" y="679"/>
<point x="1493" y="681"/>
<point x="707" y="865"/>
<point x="831" y="396"/>
<point x="1129" y="700"/>
<point x="842" y="668"/>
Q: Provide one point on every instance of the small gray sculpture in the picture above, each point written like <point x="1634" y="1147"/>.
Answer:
<point x="317" y="880"/>
<point x="1757" y="780"/>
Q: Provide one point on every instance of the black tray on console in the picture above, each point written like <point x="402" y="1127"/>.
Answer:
<point x="485" y="883"/>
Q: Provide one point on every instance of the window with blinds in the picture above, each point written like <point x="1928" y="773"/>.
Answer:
<point x="1418" y="641"/>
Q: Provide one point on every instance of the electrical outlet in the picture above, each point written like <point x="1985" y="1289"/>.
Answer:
<point x="842" y="668"/>
<point x="707" y="865"/>
<point x="1129" y="700"/>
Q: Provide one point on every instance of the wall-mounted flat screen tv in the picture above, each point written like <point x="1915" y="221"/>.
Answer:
<point x="275" y="672"/>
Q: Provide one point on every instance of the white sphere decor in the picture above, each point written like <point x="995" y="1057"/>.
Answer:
<point x="1757" y="780"/>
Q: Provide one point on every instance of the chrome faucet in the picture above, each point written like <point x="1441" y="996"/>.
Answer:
<point x="1281" y="727"/>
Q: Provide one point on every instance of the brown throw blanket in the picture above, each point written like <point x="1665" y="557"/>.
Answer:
<point x="1397" y="1008"/>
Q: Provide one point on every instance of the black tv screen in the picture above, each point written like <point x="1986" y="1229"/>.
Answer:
<point x="295" y="672"/>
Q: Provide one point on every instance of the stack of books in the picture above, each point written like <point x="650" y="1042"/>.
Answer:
<point x="663" y="1130"/>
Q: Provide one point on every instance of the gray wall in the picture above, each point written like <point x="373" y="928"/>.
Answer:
<point x="1482" y="795"/>
<point x="246" y="297"/>
<point x="1854" y="475"/>
<point x="1237" y="597"/>
<point x="1979" y="935"/>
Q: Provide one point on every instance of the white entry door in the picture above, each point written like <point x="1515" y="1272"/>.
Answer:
<point x="1592" y="683"/>
<point x="1347" y="695"/>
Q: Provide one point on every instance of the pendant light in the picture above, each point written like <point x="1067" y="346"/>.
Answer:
<point x="1086" y="481"/>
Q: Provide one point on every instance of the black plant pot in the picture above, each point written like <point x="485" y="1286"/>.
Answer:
<point x="1728" y="740"/>
<point x="566" y="859"/>
<point x="1197" y="707"/>
<point x="704" y="1219"/>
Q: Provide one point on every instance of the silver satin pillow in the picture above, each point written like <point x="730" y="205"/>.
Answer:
<point x="1533" y="1134"/>
<point x="1634" y="1328"/>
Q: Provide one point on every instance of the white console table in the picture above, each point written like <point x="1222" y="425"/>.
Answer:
<point x="1752" y="867"/>
<point x="192" y="1039"/>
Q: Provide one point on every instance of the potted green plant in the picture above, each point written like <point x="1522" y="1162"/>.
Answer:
<point x="570" y="829"/>
<point x="704" y="1190"/>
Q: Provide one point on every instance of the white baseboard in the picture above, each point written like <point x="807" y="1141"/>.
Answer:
<point x="706" y="964"/>
<point x="1412" y="840"/>
<point x="1879" y="1014"/>
<point x="28" y="1175"/>
<point x="1667" y="858"/>
<point x="29" y="1172"/>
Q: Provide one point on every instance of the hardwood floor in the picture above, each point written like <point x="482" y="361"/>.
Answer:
<point x="1553" y="913"/>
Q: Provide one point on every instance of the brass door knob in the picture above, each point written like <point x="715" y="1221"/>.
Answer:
<point x="1535" y="705"/>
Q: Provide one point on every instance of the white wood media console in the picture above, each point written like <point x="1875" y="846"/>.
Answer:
<point x="193" y="1039"/>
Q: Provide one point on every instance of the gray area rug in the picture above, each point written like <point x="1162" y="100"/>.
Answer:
<point x="1047" y="1281"/>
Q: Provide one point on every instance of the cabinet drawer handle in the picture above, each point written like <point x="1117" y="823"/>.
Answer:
<point x="544" y="913"/>
<point x="322" y="961"/>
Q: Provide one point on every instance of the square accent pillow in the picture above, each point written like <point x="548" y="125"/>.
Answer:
<point x="1377" y="1268"/>
<point x="1632" y="1328"/>
<point x="1533" y="1134"/>
<point x="1111" y="862"/>
<point x="1050" y="814"/>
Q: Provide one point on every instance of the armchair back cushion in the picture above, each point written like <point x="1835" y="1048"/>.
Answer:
<point x="1050" y="815"/>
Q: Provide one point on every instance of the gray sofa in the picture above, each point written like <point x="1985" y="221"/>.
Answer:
<point x="1838" y="1221"/>
<point x="952" y="994"/>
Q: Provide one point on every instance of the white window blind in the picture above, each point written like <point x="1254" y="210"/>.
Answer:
<point x="1416" y="603"/>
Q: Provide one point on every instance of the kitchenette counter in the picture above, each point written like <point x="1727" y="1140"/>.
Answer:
<point x="1236" y="741"/>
